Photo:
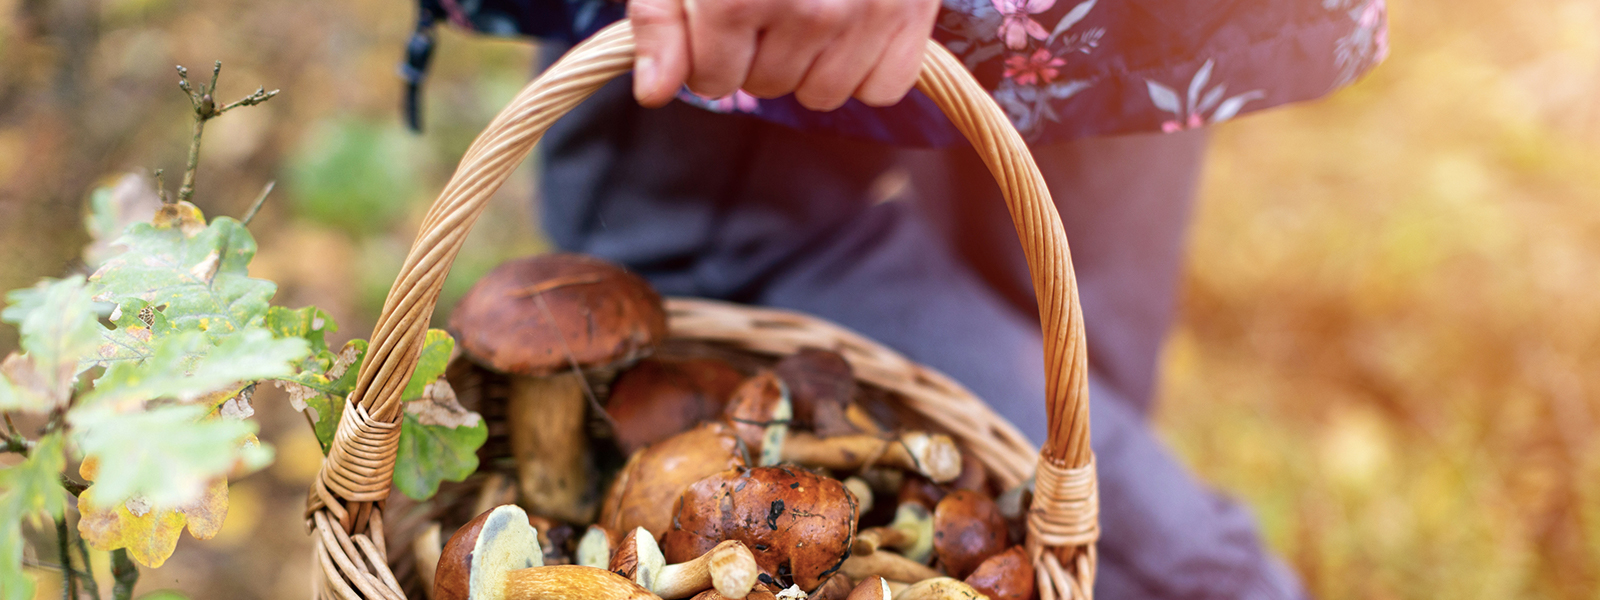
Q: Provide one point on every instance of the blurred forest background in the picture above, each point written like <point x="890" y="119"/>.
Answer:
<point x="1390" y="319"/>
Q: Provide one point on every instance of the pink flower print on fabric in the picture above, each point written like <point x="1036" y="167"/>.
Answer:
<point x="1016" y="24"/>
<point x="1039" y="68"/>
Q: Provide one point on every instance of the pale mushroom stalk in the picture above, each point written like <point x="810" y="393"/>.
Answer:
<point x="729" y="567"/>
<point x="569" y="582"/>
<point x="887" y="565"/>
<point x="933" y="455"/>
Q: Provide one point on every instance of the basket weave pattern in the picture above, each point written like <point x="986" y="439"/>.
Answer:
<point x="345" y="505"/>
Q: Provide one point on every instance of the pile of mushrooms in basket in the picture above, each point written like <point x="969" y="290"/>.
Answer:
<point x="743" y="476"/>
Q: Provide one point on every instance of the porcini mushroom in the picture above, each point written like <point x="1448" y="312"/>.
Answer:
<point x="759" y="413"/>
<point x="728" y="567"/>
<point x="496" y="556"/>
<point x="1005" y="576"/>
<point x="644" y="491"/>
<point x="545" y="320"/>
<point x="596" y="546"/>
<point x="797" y="524"/>
<point x="836" y="587"/>
<point x="658" y="398"/>
<point x="968" y="529"/>
<point x="939" y="588"/>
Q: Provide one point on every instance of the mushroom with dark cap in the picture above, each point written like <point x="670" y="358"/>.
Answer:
<point x="546" y="320"/>
<point x="496" y="556"/>
<point x="660" y="397"/>
<point x="798" y="524"/>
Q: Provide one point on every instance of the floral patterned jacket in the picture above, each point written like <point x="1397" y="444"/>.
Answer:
<point x="1061" y="69"/>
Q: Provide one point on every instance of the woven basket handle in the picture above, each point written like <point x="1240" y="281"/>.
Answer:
<point x="360" y="463"/>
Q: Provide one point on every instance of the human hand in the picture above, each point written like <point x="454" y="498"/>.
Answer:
<point x="823" y="51"/>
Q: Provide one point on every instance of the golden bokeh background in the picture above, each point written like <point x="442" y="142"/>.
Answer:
<point x="1389" y="321"/>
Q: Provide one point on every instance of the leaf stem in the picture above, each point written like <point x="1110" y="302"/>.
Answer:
<point x="89" y="584"/>
<point x="69" y="581"/>
<point x="125" y="573"/>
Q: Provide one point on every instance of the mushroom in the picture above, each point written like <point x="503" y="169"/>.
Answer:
<point x="871" y="588"/>
<point x="658" y="398"/>
<point x="759" y="414"/>
<point x="496" y="556"/>
<point x="862" y="491"/>
<point x="759" y="592"/>
<point x="939" y="588"/>
<point x="968" y="529"/>
<point x="798" y="524"/>
<point x="911" y="533"/>
<point x="596" y="547"/>
<point x="887" y="565"/>
<point x="643" y="493"/>
<point x="1005" y="576"/>
<point x="836" y="587"/>
<point x="546" y="321"/>
<point x="728" y="567"/>
<point x="426" y="550"/>
<point x="933" y="455"/>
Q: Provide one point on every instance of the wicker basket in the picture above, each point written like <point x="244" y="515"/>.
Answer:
<point x="355" y="557"/>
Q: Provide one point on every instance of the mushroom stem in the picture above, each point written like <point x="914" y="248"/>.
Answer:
<point x="427" y="548"/>
<point x="571" y="582"/>
<point x="911" y="532"/>
<point x="730" y="568"/>
<point x="939" y="588"/>
<point x="546" y="416"/>
<point x="887" y="565"/>
<point x="594" y="549"/>
<point x="933" y="455"/>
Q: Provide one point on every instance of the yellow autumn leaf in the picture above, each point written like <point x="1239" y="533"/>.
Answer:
<point x="149" y="534"/>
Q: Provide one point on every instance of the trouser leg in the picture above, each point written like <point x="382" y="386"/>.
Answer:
<point x="732" y="208"/>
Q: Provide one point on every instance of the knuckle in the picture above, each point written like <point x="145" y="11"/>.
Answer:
<point x="651" y="12"/>
<point x="827" y="15"/>
<point x="820" y="100"/>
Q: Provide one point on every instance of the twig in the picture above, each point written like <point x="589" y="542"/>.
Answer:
<point x="124" y="573"/>
<point x="205" y="109"/>
<point x="73" y="486"/>
<point x="69" y="583"/>
<point x="161" y="187"/>
<point x="256" y="206"/>
<point x="89" y="584"/>
<point x="17" y="444"/>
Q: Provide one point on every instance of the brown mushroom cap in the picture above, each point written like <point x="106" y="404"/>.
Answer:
<point x="821" y="384"/>
<point x="657" y="398"/>
<point x="534" y="316"/>
<point x="967" y="529"/>
<point x="644" y="491"/>
<point x="798" y="524"/>
<point x="1005" y="576"/>
<point x="759" y="402"/>
<point x="871" y="588"/>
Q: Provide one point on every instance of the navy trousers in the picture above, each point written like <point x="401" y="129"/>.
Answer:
<point x="911" y="248"/>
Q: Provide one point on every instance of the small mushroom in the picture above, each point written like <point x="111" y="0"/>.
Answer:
<point x="911" y="533"/>
<point x="659" y="397"/>
<point x="933" y="455"/>
<point x="862" y="491"/>
<point x="939" y="588"/>
<point x="546" y="321"/>
<point x="1005" y="576"/>
<point x="643" y="493"/>
<point x="759" y="413"/>
<point x="887" y="565"/>
<point x="596" y="546"/>
<point x="798" y="524"/>
<point x="967" y="529"/>
<point x="728" y="567"/>
<point x="836" y="587"/>
<point x="871" y="588"/>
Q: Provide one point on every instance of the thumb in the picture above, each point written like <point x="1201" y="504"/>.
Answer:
<point x="660" y="37"/>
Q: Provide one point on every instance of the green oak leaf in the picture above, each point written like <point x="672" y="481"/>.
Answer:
<point x="439" y="439"/>
<point x="59" y="326"/>
<point x="320" y="390"/>
<point x="186" y="366"/>
<point x="166" y="454"/>
<point x="30" y="489"/>
<point x="311" y="324"/>
<point x="198" y="280"/>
